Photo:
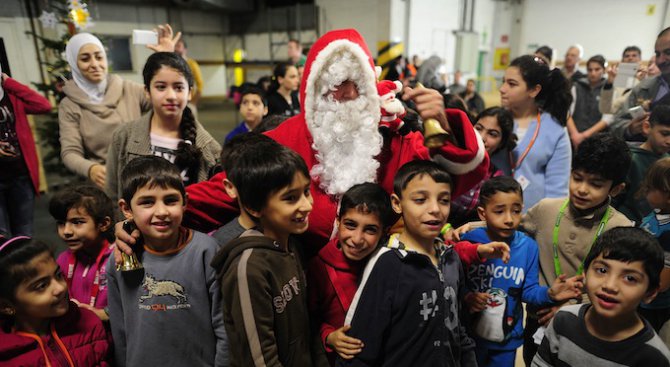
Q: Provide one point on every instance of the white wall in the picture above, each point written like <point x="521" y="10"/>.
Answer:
<point x="602" y="26"/>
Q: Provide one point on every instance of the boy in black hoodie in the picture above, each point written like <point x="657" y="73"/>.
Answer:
<point x="262" y="279"/>
<point x="406" y="310"/>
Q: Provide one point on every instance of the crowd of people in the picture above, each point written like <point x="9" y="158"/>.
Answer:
<point x="326" y="231"/>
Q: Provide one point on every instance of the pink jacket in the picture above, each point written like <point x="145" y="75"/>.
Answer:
<point x="76" y="339"/>
<point x="26" y="101"/>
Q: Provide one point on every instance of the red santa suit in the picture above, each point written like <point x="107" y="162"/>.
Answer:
<point x="210" y="207"/>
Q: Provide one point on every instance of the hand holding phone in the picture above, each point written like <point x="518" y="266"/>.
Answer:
<point x="141" y="37"/>
<point x="636" y="112"/>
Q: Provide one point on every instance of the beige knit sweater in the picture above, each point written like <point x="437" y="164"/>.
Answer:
<point x="86" y="128"/>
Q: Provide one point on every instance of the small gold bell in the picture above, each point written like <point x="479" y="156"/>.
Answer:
<point x="130" y="263"/>
<point x="434" y="135"/>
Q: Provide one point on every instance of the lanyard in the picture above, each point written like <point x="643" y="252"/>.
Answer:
<point x="54" y="334"/>
<point x="530" y="145"/>
<point x="95" y="288"/>
<point x="601" y="226"/>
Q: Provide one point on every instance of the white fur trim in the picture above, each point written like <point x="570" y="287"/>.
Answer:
<point x="366" y="87"/>
<point x="463" y="168"/>
<point x="398" y="86"/>
<point x="378" y="72"/>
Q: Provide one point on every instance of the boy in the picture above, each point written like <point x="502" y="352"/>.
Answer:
<point x="364" y="216"/>
<point x="565" y="228"/>
<point x="252" y="108"/>
<point x="167" y="314"/>
<point x="497" y="289"/>
<point x="406" y="310"/>
<point x="229" y="157"/>
<point x="622" y="270"/>
<point x="265" y="303"/>
<point x="657" y="145"/>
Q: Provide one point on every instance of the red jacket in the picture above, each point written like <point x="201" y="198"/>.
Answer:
<point x="209" y="206"/>
<point x="26" y="101"/>
<point x="76" y="339"/>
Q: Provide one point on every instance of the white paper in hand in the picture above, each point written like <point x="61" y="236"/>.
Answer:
<point x="625" y="77"/>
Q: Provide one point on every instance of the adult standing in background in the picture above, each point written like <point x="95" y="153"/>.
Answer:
<point x="182" y="50"/>
<point x="96" y="103"/>
<point x="282" y="99"/>
<point x="295" y="55"/>
<point x="573" y="56"/>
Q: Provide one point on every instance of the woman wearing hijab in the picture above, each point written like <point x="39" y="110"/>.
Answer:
<point x="19" y="173"/>
<point x="96" y="103"/>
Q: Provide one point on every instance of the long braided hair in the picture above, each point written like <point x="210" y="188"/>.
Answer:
<point x="188" y="155"/>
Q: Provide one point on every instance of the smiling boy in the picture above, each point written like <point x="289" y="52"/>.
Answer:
<point x="622" y="270"/>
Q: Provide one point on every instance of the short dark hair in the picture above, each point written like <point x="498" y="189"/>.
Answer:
<point x="660" y="115"/>
<point x="657" y="177"/>
<point x="419" y="168"/>
<point x="238" y="144"/>
<point x="630" y="244"/>
<point x="546" y="51"/>
<point x="259" y="173"/>
<point x="599" y="59"/>
<point x="254" y="90"/>
<point x="663" y="32"/>
<point x="152" y="171"/>
<point x="605" y="155"/>
<point x="368" y="198"/>
<point x="631" y="48"/>
<point x="96" y="203"/>
<point x="506" y="123"/>
<point x="498" y="184"/>
<point x="270" y="122"/>
<point x="14" y="260"/>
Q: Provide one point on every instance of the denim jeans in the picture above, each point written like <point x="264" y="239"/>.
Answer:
<point x="17" y="199"/>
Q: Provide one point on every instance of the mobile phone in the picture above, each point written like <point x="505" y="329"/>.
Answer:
<point x="129" y="226"/>
<point x="141" y="37"/>
<point x="636" y="112"/>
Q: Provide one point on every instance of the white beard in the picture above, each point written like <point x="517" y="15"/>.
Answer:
<point x="347" y="141"/>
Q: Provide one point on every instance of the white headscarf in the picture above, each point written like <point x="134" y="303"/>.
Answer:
<point x="95" y="91"/>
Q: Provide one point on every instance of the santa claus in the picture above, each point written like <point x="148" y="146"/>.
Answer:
<point x="337" y="134"/>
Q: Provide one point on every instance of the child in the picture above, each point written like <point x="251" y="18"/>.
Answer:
<point x="40" y="326"/>
<point x="169" y="131"/>
<point x="19" y="167"/>
<point x="497" y="289"/>
<point x="495" y="126"/>
<point x="622" y="270"/>
<point x="364" y="216"/>
<point x="654" y="148"/>
<point x="406" y="310"/>
<point x="168" y="312"/>
<point x="84" y="217"/>
<point x="566" y="228"/>
<point x="657" y="188"/>
<point x="265" y="303"/>
<point x="237" y="146"/>
<point x="253" y="108"/>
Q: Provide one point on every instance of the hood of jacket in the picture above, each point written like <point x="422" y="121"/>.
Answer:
<point x="249" y="239"/>
<point x="333" y="255"/>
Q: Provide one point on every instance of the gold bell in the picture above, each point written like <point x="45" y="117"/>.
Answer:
<point x="130" y="263"/>
<point x="434" y="135"/>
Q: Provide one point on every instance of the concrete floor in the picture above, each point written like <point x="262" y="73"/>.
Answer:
<point x="216" y="116"/>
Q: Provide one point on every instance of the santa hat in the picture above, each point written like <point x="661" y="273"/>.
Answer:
<point x="387" y="89"/>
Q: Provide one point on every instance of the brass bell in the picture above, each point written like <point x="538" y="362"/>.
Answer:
<point x="130" y="263"/>
<point x="434" y="135"/>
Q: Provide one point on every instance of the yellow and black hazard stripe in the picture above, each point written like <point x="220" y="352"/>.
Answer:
<point x="387" y="52"/>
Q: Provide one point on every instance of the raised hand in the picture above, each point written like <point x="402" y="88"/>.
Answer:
<point x="166" y="40"/>
<point x="565" y="288"/>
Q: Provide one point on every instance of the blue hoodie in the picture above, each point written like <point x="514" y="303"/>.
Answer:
<point x="520" y="272"/>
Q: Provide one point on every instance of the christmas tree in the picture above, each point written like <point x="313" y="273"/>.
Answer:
<point x="74" y="16"/>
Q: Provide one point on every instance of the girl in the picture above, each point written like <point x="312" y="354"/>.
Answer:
<point x="84" y="217"/>
<point x="40" y="327"/>
<point x="169" y="131"/>
<point x="19" y="168"/>
<point x="538" y="99"/>
<point x="96" y="103"/>
<point x="283" y="97"/>
<point x="586" y="118"/>
<point x="656" y="187"/>
<point x="495" y="126"/>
